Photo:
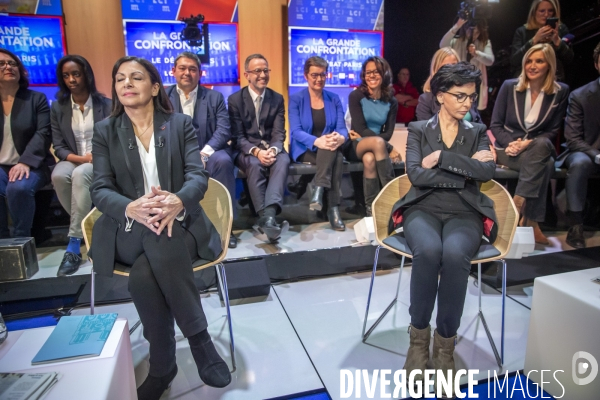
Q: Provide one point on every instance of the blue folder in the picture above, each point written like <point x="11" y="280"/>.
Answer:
<point x="78" y="336"/>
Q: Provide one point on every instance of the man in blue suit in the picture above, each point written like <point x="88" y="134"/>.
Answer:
<point x="210" y="118"/>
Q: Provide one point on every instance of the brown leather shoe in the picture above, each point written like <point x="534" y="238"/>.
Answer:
<point x="539" y="237"/>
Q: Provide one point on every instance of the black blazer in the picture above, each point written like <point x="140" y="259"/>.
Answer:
<point x="30" y="126"/>
<point x="582" y="125"/>
<point x="119" y="179"/>
<point x="210" y="120"/>
<point x="509" y="114"/>
<point x="454" y="171"/>
<point x="61" y="115"/>
<point x="242" y="116"/>
<point x="428" y="107"/>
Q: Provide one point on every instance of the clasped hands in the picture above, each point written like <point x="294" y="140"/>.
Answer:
<point x="331" y="141"/>
<point x="517" y="147"/>
<point x="156" y="210"/>
<point x="266" y="157"/>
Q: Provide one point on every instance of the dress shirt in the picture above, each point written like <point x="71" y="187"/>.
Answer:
<point x="82" y="124"/>
<point x="188" y="105"/>
<point x="8" y="152"/>
<point x="257" y="100"/>
<point x="532" y="111"/>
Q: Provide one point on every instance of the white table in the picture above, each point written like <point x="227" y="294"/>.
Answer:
<point x="108" y="376"/>
<point x="565" y="319"/>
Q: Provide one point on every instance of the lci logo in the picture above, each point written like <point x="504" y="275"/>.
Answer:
<point x="582" y="363"/>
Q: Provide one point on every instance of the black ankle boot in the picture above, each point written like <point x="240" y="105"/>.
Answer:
<point x="385" y="171"/>
<point x="316" y="200"/>
<point x="371" y="187"/>
<point x="575" y="237"/>
<point x="299" y="187"/>
<point x="211" y="367"/>
<point x="335" y="219"/>
<point x="154" y="387"/>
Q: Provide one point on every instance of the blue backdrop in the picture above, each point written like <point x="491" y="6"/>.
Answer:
<point x="148" y="9"/>
<point x="160" y="43"/>
<point x="38" y="41"/>
<point x="339" y="14"/>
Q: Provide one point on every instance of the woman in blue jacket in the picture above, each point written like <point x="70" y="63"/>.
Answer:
<point x="318" y="131"/>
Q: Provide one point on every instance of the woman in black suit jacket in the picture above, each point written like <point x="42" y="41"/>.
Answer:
<point x="79" y="105"/>
<point x="24" y="146"/>
<point x="148" y="181"/>
<point x="444" y="215"/>
<point x="527" y="116"/>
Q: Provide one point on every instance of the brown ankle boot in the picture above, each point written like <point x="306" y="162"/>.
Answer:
<point x="539" y="237"/>
<point x="443" y="359"/>
<point x="418" y="351"/>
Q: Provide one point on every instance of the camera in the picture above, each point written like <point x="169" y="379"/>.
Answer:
<point x="472" y="10"/>
<point x="192" y="33"/>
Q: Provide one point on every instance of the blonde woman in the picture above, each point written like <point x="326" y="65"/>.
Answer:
<point x="428" y="106"/>
<point x="538" y="30"/>
<point x="471" y="42"/>
<point x="527" y="116"/>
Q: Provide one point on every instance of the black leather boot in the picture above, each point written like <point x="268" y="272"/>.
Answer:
<point x="299" y="187"/>
<point x="385" y="171"/>
<point x="371" y="187"/>
<point x="335" y="219"/>
<point x="211" y="367"/>
<point x="316" y="200"/>
<point x="575" y="237"/>
<point x="153" y="387"/>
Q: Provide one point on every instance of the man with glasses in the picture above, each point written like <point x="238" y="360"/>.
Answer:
<point x="257" y="117"/>
<point x="210" y="119"/>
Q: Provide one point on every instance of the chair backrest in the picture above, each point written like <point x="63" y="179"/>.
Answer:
<point x="506" y="212"/>
<point x="216" y="204"/>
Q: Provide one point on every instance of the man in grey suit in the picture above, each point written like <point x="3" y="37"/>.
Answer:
<point x="582" y="133"/>
<point x="210" y="119"/>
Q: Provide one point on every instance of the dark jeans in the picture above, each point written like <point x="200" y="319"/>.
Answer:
<point x="162" y="288"/>
<point x="329" y="171"/>
<point x="580" y="167"/>
<point x="535" y="166"/>
<point x="20" y="196"/>
<point x="441" y="244"/>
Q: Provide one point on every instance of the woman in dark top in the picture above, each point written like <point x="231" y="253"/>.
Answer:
<point x="444" y="215"/>
<point x="535" y="31"/>
<point x="317" y="130"/>
<point x="527" y="117"/>
<point x="79" y="105"/>
<point x="373" y="110"/>
<point x="24" y="146"/>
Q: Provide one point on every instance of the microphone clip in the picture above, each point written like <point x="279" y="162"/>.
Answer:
<point x="462" y="140"/>
<point x="161" y="142"/>
<point x="439" y="138"/>
<point x="131" y="146"/>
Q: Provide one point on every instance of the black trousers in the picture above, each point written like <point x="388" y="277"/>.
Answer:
<point x="535" y="166"/>
<point x="329" y="171"/>
<point x="266" y="184"/>
<point x="162" y="287"/>
<point x="442" y="244"/>
<point x="580" y="167"/>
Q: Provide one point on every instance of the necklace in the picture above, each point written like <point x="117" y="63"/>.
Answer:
<point x="145" y="130"/>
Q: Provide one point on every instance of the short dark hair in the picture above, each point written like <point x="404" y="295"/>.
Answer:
<point x="597" y="53"/>
<point x="315" y="61"/>
<point x="24" y="75"/>
<point x="64" y="93"/>
<point x="190" y="55"/>
<point x="161" y="101"/>
<point x="451" y="75"/>
<point x="252" y="57"/>
<point x="387" y="91"/>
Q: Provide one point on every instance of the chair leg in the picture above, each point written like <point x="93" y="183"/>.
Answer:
<point x="366" y="335"/>
<point x="92" y="291"/>
<point x="499" y="356"/>
<point x="222" y="277"/>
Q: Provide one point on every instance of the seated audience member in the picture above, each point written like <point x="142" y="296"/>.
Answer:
<point x="257" y="117"/>
<point x="582" y="133"/>
<point x="24" y="146"/>
<point x="373" y="110"/>
<point x="317" y="132"/>
<point x="537" y="31"/>
<point x="407" y="96"/>
<point x="444" y="215"/>
<point x="471" y="41"/>
<point x="148" y="182"/>
<point x="210" y="119"/>
<point x="77" y="108"/>
<point x="527" y="116"/>
<point x="428" y="106"/>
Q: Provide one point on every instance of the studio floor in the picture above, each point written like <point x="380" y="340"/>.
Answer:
<point x="297" y="339"/>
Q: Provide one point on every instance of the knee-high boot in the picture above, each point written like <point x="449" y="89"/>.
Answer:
<point x="385" y="171"/>
<point x="371" y="187"/>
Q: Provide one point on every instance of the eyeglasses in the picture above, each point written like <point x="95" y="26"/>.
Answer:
<point x="461" y="97"/>
<point x="372" y="73"/>
<point x="4" y="64"/>
<point x="258" y="71"/>
<point x="321" y="75"/>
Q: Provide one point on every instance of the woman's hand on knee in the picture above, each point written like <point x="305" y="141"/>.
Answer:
<point x="18" y="172"/>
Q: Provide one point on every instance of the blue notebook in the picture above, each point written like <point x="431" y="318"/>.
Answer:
<point x="78" y="336"/>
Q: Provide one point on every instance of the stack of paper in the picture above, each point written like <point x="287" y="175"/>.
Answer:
<point x="15" y="386"/>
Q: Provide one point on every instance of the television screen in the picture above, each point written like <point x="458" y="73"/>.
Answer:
<point x="38" y="41"/>
<point x="39" y="7"/>
<point x="344" y="50"/>
<point x="337" y="14"/>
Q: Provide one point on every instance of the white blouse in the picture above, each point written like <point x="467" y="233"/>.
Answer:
<point x="532" y="111"/>
<point x="148" y="159"/>
<point x="8" y="152"/>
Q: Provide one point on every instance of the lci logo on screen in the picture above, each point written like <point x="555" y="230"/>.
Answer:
<point x="38" y="41"/>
